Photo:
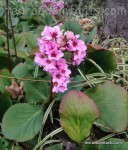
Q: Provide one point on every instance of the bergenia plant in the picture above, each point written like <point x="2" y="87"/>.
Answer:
<point x="52" y="46"/>
<point x="53" y="6"/>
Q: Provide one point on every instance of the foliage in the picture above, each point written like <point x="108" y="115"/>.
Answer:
<point x="27" y="118"/>
<point x="77" y="113"/>
<point x="106" y="96"/>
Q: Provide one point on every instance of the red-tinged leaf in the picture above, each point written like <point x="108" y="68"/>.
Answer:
<point x="77" y="114"/>
<point x="94" y="47"/>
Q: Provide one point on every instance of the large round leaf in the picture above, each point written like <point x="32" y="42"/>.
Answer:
<point x="24" y="69"/>
<point x="24" y="39"/>
<point x="77" y="114"/>
<point x="48" y="20"/>
<point x="112" y="101"/>
<point x="41" y="91"/>
<point x="73" y="26"/>
<point x="5" y="103"/>
<point x="4" y="62"/>
<point x="104" y="58"/>
<point x="4" y="81"/>
<point x="22" y="122"/>
<point x="21" y="70"/>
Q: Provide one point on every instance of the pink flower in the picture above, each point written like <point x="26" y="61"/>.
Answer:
<point x="43" y="45"/>
<point x="58" y="5"/>
<point x="58" y="77"/>
<point x="55" y="54"/>
<point x="52" y="46"/>
<point x="47" y="2"/>
<point x="50" y="33"/>
<point x="66" y="72"/>
<point x="53" y="6"/>
<point x="61" y="41"/>
<point x="60" y="64"/>
<point x="63" y="67"/>
<point x="78" y="57"/>
<point x="75" y="44"/>
<point x="49" y="65"/>
<point x="69" y="35"/>
<point x="40" y="59"/>
<point x="59" y="87"/>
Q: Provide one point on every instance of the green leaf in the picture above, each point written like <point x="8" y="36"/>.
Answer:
<point x="91" y="35"/>
<point x="82" y="36"/>
<point x="31" y="40"/>
<point x="3" y="144"/>
<point x="25" y="41"/>
<point x="103" y="58"/>
<point x="24" y="69"/>
<point x="55" y="147"/>
<point x="40" y="91"/>
<point x="77" y="114"/>
<point x="110" y="144"/>
<point x="20" y="42"/>
<point x="2" y="40"/>
<point x="2" y="24"/>
<point x="30" y="64"/>
<point x="48" y="20"/>
<point x="39" y="29"/>
<point x="22" y="54"/>
<point x="1" y="11"/>
<point x="33" y="22"/>
<point x="4" y="81"/>
<point x="89" y="147"/>
<point x="18" y="148"/>
<point x="75" y="83"/>
<point x="5" y="103"/>
<point x="73" y="26"/>
<point x="2" y="51"/>
<point x="4" y="62"/>
<point x="119" y="144"/>
<point x="22" y="122"/>
<point x="112" y="101"/>
<point x="14" y="21"/>
<point x="21" y="70"/>
<point x="23" y="26"/>
<point x="92" y="48"/>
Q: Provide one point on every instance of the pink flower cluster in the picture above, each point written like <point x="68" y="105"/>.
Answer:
<point x="53" y="6"/>
<point x="52" y="45"/>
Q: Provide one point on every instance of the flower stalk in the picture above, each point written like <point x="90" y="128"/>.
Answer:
<point x="7" y="35"/>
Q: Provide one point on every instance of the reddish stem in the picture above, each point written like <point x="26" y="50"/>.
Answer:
<point x="7" y="35"/>
<point x="14" y="42"/>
